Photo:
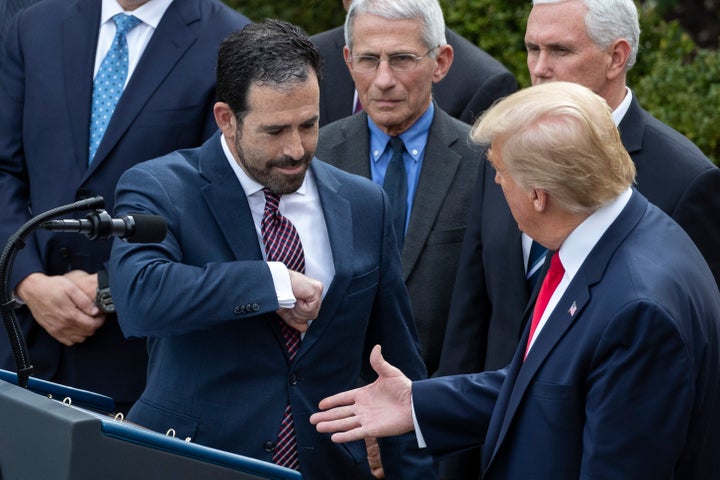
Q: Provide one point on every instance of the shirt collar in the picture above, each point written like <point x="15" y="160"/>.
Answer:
<point x="414" y="138"/>
<point x="150" y="13"/>
<point x="578" y="245"/>
<point x="249" y="185"/>
<point x="619" y="113"/>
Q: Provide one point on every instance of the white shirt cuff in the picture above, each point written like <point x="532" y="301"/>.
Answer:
<point x="281" y="280"/>
<point x="418" y="432"/>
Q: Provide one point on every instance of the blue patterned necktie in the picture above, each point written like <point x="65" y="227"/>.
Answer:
<point x="282" y="244"/>
<point x="395" y="185"/>
<point x="535" y="263"/>
<point x="110" y="81"/>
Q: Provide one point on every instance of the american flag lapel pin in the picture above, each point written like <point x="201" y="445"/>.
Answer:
<point x="573" y="309"/>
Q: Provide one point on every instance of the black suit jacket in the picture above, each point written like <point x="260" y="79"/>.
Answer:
<point x="486" y="314"/>
<point x="438" y="219"/>
<point x="46" y="87"/>
<point x="474" y="82"/>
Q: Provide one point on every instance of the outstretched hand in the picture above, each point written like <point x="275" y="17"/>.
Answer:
<point x="381" y="409"/>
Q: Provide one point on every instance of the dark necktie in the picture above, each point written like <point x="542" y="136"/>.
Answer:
<point x="395" y="185"/>
<point x="109" y="81"/>
<point x="535" y="263"/>
<point x="282" y="244"/>
<point x="550" y="282"/>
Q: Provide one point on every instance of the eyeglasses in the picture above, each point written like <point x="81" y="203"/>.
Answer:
<point x="400" y="62"/>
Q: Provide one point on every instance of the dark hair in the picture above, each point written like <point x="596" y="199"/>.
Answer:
<point x="273" y="52"/>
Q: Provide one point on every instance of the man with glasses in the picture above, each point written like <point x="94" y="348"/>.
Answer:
<point x="395" y="51"/>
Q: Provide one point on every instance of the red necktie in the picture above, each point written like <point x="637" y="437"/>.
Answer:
<point x="552" y="280"/>
<point x="282" y="244"/>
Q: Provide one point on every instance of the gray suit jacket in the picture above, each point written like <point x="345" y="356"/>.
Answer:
<point x="438" y="218"/>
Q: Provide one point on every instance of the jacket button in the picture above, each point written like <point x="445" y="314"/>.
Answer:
<point x="255" y="307"/>
<point x="269" y="446"/>
<point x="293" y="379"/>
<point x="239" y="310"/>
<point x="83" y="193"/>
<point x="64" y="252"/>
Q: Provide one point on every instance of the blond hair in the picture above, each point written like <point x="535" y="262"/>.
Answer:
<point x="559" y="137"/>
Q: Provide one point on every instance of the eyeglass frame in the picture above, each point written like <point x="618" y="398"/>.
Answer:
<point x="379" y="60"/>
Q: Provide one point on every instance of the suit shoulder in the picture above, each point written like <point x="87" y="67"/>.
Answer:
<point x="214" y="11"/>
<point x="346" y="181"/>
<point x="328" y="39"/>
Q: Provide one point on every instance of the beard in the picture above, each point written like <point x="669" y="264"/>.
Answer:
<point x="266" y="173"/>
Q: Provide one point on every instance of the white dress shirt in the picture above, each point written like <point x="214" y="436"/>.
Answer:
<point x="304" y="210"/>
<point x="150" y="15"/>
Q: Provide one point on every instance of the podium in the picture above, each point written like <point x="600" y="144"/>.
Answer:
<point x="53" y="431"/>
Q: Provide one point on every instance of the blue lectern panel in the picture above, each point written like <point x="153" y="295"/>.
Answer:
<point x="43" y="438"/>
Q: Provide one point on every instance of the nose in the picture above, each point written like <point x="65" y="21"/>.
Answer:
<point x="293" y="148"/>
<point x="538" y="66"/>
<point x="384" y="76"/>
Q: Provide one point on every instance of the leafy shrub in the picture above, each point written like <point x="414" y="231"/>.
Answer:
<point x="673" y="79"/>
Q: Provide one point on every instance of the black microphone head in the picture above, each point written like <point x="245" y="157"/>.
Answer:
<point x="148" y="229"/>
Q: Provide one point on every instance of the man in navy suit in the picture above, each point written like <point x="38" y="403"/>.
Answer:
<point x="617" y="374"/>
<point x="471" y="86"/>
<point x="53" y="49"/>
<point x="215" y="302"/>
<point x="672" y="173"/>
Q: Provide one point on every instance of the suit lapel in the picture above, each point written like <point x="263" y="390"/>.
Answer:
<point x="222" y="190"/>
<point x="168" y="44"/>
<point x="568" y="311"/>
<point x="440" y="164"/>
<point x="79" y="31"/>
<point x="338" y="220"/>
<point x="351" y="150"/>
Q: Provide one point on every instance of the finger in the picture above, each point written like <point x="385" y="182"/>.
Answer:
<point x="351" y="436"/>
<point x="333" y="414"/>
<point x="380" y="365"/>
<point x="341" y="425"/>
<point x="338" y="400"/>
<point x="83" y="303"/>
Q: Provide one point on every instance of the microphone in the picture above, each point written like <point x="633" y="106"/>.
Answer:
<point x="99" y="225"/>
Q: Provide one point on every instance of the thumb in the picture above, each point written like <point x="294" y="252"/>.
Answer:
<point x="380" y="365"/>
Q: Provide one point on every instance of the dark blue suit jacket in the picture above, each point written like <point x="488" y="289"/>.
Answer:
<point x="485" y="320"/>
<point x="204" y="297"/>
<point x="45" y="93"/>
<point x="621" y="383"/>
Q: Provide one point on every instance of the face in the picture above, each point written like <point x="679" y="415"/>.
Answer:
<point x="520" y="201"/>
<point x="395" y="100"/>
<point x="559" y="48"/>
<point x="276" y="140"/>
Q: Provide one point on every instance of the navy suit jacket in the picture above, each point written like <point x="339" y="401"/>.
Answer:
<point x="45" y="91"/>
<point x="204" y="297"/>
<point x="622" y="382"/>
<point x="439" y="216"/>
<point x="486" y="310"/>
<point x="475" y="79"/>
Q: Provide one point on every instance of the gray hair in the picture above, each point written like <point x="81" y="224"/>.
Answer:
<point x="427" y="11"/>
<point x="609" y="20"/>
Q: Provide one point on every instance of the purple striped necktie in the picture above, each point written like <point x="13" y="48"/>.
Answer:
<point x="282" y="244"/>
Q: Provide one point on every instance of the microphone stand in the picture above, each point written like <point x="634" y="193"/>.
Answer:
<point x="16" y="243"/>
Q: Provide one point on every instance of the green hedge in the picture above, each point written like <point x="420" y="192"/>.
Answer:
<point x="673" y="79"/>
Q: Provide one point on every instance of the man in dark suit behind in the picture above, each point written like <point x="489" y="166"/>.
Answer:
<point x="217" y="299"/>
<point x="616" y="376"/>
<point x="492" y="289"/>
<point x="53" y="49"/>
<point x="396" y="52"/>
<point x="471" y="86"/>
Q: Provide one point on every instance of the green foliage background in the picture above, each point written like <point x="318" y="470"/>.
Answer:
<point x="675" y="80"/>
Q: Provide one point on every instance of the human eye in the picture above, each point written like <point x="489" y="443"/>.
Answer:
<point x="403" y="61"/>
<point x="365" y="62"/>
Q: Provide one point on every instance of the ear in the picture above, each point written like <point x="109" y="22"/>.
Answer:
<point x="225" y="119"/>
<point x="346" y="57"/>
<point x="444" y="56"/>
<point x="539" y="199"/>
<point x="619" y="53"/>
